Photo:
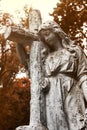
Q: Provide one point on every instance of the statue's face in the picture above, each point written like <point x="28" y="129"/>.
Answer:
<point x="50" y="37"/>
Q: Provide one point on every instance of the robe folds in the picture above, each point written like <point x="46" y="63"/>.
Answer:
<point x="65" y="70"/>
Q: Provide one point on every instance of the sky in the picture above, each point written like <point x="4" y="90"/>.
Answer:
<point x="45" y="6"/>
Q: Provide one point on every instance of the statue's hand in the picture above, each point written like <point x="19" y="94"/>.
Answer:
<point x="85" y="120"/>
<point x="45" y="85"/>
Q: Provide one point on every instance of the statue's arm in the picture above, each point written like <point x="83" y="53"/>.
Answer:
<point x="22" y="55"/>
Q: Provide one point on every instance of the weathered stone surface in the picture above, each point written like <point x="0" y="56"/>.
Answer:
<point x="20" y="35"/>
<point x="32" y="127"/>
<point x="37" y="103"/>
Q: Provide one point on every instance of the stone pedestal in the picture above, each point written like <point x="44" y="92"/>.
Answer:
<point x="32" y="127"/>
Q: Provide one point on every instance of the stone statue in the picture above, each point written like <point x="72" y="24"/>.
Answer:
<point x="66" y="70"/>
<point x="64" y="66"/>
<point x="58" y="70"/>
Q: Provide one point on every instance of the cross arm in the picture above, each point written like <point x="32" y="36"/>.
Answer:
<point x="20" y="35"/>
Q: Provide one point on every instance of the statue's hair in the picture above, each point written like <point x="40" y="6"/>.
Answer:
<point x="53" y="26"/>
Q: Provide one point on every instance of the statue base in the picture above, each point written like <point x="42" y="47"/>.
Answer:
<point x="32" y="127"/>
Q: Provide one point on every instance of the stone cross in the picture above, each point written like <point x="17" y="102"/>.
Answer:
<point x="37" y="103"/>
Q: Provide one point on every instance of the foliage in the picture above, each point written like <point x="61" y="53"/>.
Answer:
<point x="24" y="18"/>
<point x="14" y="107"/>
<point x="25" y="21"/>
<point x="71" y="15"/>
<point x="23" y="82"/>
<point x="14" y="100"/>
<point x="9" y="62"/>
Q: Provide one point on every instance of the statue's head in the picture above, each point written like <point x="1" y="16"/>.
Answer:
<point x="47" y="33"/>
<point x="55" y="28"/>
<point x="49" y="25"/>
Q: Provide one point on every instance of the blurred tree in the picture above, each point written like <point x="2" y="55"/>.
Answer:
<point x="9" y="63"/>
<point x="23" y="82"/>
<point x="25" y="20"/>
<point x="15" y="99"/>
<point x="71" y="15"/>
<point x="14" y="107"/>
<point x="23" y="17"/>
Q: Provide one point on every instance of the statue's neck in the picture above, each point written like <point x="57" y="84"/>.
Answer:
<point x="58" y="46"/>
